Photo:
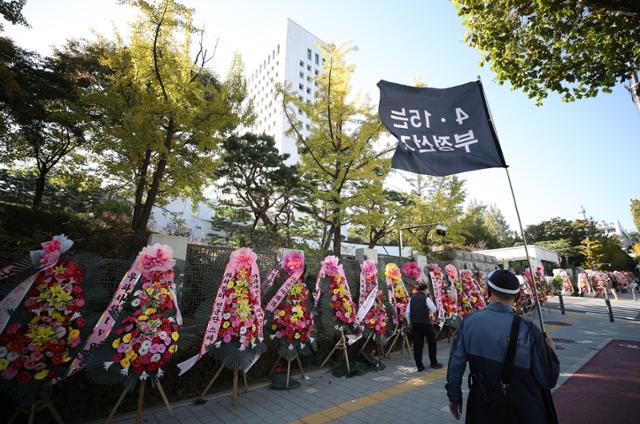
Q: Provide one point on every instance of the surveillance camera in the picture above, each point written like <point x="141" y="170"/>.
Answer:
<point x="441" y="230"/>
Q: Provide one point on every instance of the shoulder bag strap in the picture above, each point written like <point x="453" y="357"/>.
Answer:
<point x="507" y="366"/>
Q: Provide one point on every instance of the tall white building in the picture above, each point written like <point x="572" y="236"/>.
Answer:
<point x="293" y="60"/>
<point x="614" y="228"/>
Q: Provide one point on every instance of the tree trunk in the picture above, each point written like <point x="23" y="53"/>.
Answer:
<point x="337" y="237"/>
<point x="40" y="183"/>
<point x="150" y="201"/>
<point x="140" y="186"/>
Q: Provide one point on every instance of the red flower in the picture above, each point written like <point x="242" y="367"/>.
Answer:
<point x="23" y="378"/>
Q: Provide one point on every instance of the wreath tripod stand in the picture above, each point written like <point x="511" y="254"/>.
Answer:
<point x="32" y="409"/>
<point x="379" y="347"/>
<point x="139" y="408"/>
<point x="234" y="390"/>
<point x="400" y="332"/>
<point x="341" y="344"/>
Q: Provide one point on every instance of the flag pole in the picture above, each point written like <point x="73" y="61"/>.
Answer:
<point x="515" y="204"/>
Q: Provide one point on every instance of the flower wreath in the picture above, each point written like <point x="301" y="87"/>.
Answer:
<point x="446" y="298"/>
<point x="234" y="320"/>
<point x="412" y="271"/>
<point x="464" y="302"/>
<point x="338" y="311"/>
<point x="567" y="285"/>
<point x="583" y="283"/>
<point x="398" y="296"/>
<point x="140" y="330"/>
<point x="472" y="290"/>
<point x="289" y="318"/>
<point x="42" y="333"/>
<point x="372" y="312"/>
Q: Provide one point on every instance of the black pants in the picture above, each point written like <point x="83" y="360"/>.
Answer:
<point x="419" y="331"/>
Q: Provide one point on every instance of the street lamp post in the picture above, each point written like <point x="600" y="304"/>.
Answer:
<point x="441" y="230"/>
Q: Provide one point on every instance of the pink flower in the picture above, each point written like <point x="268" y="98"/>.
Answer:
<point x="158" y="257"/>
<point x="293" y="262"/>
<point x="434" y="267"/>
<point x="9" y="373"/>
<point x="411" y="270"/>
<point x="451" y="271"/>
<point x="369" y="268"/>
<point x="330" y="266"/>
<point x="51" y="246"/>
<point x="243" y="258"/>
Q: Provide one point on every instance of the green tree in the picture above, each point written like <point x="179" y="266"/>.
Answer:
<point x="635" y="212"/>
<point x="376" y="213"/>
<point x="163" y="112"/>
<point x="573" y="47"/>
<point x="563" y="248"/>
<point x="11" y="11"/>
<point x="338" y="151"/>
<point x="253" y="173"/>
<point x="613" y="257"/>
<point x="44" y="116"/>
<point x="591" y="249"/>
<point x="443" y="202"/>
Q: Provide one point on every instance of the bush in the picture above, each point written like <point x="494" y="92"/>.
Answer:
<point x="23" y="229"/>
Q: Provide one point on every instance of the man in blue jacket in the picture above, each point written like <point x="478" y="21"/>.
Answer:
<point x="482" y="341"/>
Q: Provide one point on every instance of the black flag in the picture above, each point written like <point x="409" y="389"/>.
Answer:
<point x="440" y="131"/>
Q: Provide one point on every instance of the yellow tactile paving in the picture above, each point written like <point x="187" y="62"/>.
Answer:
<point x="346" y="408"/>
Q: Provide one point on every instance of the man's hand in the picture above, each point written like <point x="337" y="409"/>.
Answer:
<point x="456" y="409"/>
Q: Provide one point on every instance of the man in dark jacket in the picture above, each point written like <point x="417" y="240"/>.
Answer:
<point x="482" y="340"/>
<point x="417" y="315"/>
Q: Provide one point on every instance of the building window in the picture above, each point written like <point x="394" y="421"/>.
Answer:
<point x="301" y="87"/>
<point x="309" y="68"/>
<point x="317" y="72"/>
<point x="301" y="74"/>
<point x="308" y="90"/>
<point x="268" y="59"/>
<point x="300" y="98"/>
<point x="317" y="59"/>
<point x="309" y="54"/>
<point x="278" y="48"/>
<point x="299" y="111"/>
<point x="309" y="78"/>
<point x="307" y="127"/>
<point x="302" y="63"/>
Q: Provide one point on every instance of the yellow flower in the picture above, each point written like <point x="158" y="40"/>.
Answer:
<point x="281" y="313"/>
<point x="230" y="284"/>
<point x="253" y="339"/>
<point x="164" y="291"/>
<point x="66" y="357"/>
<point x="175" y="336"/>
<point x="142" y="318"/>
<point x="173" y="348"/>
<point x="40" y="375"/>
<point x="40" y="334"/>
<point x="149" y="311"/>
<point x="116" y="343"/>
<point x="225" y="324"/>
<point x="74" y="333"/>
<point x="3" y="364"/>
<point x="296" y="336"/>
<point x="124" y="363"/>
<point x="149" y="290"/>
<point x="126" y="338"/>
<point x="273" y="326"/>
<point x="59" y="269"/>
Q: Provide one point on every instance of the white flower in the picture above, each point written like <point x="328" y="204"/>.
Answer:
<point x="290" y="347"/>
<point x="160" y="373"/>
<point x="242" y="347"/>
<point x="162" y="335"/>
<point x="226" y="316"/>
<point x="272" y="336"/>
<point x="155" y="357"/>
<point x="124" y="371"/>
<point x="135" y="302"/>
<point x="218" y="343"/>
<point x="243" y="330"/>
<point x="3" y="351"/>
<point x="75" y="315"/>
<point x="143" y="350"/>
<point x="147" y="344"/>
<point x="311" y="339"/>
<point x="144" y="375"/>
<point x="107" y="365"/>
<point x="12" y="356"/>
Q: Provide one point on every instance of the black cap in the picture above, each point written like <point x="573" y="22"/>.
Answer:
<point x="504" y="282"/>
<point x="422" y="286"/>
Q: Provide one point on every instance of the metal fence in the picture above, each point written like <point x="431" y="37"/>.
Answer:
<point x="204" y="268"/>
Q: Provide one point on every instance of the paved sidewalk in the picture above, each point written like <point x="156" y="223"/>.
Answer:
<point x="390" y="395"/>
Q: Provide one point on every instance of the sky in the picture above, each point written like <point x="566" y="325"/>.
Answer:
<point x="561" y="156"/>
